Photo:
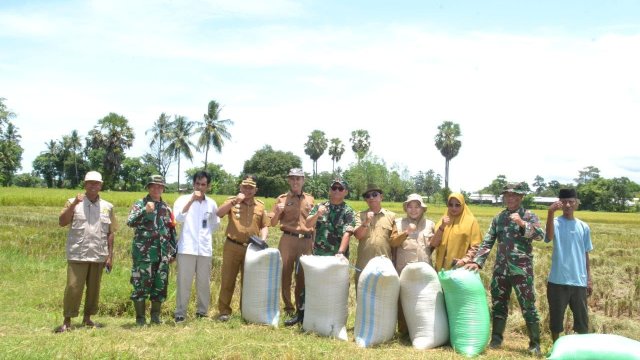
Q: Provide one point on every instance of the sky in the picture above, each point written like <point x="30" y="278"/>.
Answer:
<point x="538" y="88"/>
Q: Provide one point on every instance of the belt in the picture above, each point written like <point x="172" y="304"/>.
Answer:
<point x="300" y="236"/>
<point x="237" y="242"/>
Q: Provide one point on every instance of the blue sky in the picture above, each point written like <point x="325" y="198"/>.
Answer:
<point x="538" y="88"/>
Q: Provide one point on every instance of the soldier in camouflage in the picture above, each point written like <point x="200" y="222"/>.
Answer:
<point x="334" y="222"/>
<point x="153" y="249"/>
<point x="514" y="228"/>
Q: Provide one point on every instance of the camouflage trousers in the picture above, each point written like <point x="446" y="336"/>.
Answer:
<point x="501" y="285"/>
<point x="149" y="280"/>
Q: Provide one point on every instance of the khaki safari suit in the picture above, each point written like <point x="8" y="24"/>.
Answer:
<point x="296" y="240"/>
<point x="244" y="221"/>
<point x="378" y="242"/>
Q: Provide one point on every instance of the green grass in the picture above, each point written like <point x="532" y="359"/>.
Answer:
<point x="33" y="275"/>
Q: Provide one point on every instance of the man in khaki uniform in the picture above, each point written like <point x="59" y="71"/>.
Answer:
<point x="246" y="218"/>
<point x="89" y="248"/>
<point x="291" y="211"/>
<point x="376" y="231"/>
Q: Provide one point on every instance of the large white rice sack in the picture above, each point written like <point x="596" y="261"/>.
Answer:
<point x="326" y="306"/>
<point x="595" y="346"/>
<point x="424" y="306"/>
<point x="261" y="286"/>
<point x="377" y="302"/>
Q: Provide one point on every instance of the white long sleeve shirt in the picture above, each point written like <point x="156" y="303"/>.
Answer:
<point x="198" y="225"/>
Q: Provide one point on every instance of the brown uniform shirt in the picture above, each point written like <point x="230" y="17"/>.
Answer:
<point x="295" y="213"/>
<point x="246" y="220"/>
<point x="379" y="234"/>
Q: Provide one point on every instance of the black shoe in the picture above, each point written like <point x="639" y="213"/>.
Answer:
<point x="200" y="316"/>
<point x="296" y="319"/>
<point x="179" y="319"/>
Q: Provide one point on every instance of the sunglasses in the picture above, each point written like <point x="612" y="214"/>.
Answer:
<point x="371" y="195"/>
<point x="454" y="205"/>
<point x="337" y="188"/>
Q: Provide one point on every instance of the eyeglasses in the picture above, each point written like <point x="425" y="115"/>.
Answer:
<point x="337" y="188"/>
<point x="454" y="205"/>
<point x="372" y="194"/>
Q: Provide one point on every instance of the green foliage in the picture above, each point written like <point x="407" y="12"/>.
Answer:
<point x="602" y="194"/>
<point x="221" y="181"/>
<point x="271" y="167"/>
<point x="134" y="174"/>
<point x="213" y="130"/>
<point x="447" y="143"/>
<point x="360" y="143"/>
<point x="179" y="142"/>
<point x="113" y="135"/>
<point x="318" y="186"/>
<point x="372" y="170"/>
<point x="336" y="149"/>
<point x="28" y="180"/>
<point x="159" y="142"/>
<point x="315" y="147"/>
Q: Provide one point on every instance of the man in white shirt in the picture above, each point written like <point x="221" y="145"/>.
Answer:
<point x="197" y="214"/>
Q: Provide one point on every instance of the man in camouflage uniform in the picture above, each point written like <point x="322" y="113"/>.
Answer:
<point x="153" y="249"/>
<point x="514" y="228"/>
<point x="334" y="221"/>
<point x="291" y="211"/>
<point x="247" y="217"/>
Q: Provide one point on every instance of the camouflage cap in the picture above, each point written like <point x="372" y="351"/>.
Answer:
<point x="515" y="187"/>
<point x="155" y="179"/>
<point x="341" y="182"/>
<point x="296" y="172"/>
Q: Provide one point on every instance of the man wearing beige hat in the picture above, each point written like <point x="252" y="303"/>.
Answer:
<point x="291" y="211"/>
<point x="247" y="217"/>
<point x="89" y="248"/>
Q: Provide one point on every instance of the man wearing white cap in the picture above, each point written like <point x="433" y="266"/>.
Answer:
<point x="89" y="248"/>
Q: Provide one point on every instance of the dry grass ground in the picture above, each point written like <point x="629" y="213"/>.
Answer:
<point x="33" y="275"/>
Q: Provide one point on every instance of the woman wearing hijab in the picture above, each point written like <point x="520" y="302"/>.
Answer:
<point x="457" y="237"/>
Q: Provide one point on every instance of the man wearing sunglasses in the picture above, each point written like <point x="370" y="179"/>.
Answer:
<point x="334" y="221"/>
<point x="376" y="230"/>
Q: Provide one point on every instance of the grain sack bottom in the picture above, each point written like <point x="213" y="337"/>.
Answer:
<point x="423" y="305"/>
<point x="261" y="286"/>
<point x="326" y="304"/>
<point x="467" y="309"/>
<point x="377" y="302"/>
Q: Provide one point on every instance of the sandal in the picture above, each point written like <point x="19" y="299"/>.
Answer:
<point x="92" y="324"/>
<point x="62" y="328"/>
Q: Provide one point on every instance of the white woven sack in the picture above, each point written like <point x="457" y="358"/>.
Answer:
<point x="261" y="286"/>
<point x="423" y="305"/>
<point x="377" y="302"/>
<point x="326" y="306"/>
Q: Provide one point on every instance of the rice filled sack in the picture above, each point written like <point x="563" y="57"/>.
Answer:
<point x="377" y="302"/>
<point x="422" y="301"/>
<point x="467" y="309"/>
<point x="326" y="286"/>
<point x="261" y="286"/>
<point x="595" y="346"/>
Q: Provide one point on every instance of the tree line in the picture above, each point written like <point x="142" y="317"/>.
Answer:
<point x="63" y="162"/>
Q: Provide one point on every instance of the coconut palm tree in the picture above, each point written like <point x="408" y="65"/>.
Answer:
<point x="179" y="142"/>
<point x="448" y="144"/>
<point x="212" y="130"/>
<point x="159" y="139"/>
<point x="336" y="149"/>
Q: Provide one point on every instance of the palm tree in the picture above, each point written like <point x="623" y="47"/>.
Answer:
<point x="213" y="130"/>
<point x="159" y="138"/>
<point x="113" y="135"/>
<point x="360" y="143"/>
<point x="315" y="147"/>
<point x="73" y="142"/>
<point x="448" y="144"/>
<point x="179" y="142"/>
<point x="336" y="149"/>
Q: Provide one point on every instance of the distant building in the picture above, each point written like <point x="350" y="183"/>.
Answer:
<point x="484" y="199"/>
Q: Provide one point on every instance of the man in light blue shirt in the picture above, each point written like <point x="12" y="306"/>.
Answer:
<point x="569" y="281"/>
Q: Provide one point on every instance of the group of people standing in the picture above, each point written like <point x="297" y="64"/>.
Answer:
<point x="322" y="229"/>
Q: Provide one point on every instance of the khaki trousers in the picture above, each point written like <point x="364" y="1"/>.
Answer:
<point x="188" y="266"/>
<point x="291" y="248"/>
<point x="232" y="264"/>
<point x="79" y="274"/>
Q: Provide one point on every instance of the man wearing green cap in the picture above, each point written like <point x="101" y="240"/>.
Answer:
<point x="514" y="229"/>
<point x="153" y="248"/>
